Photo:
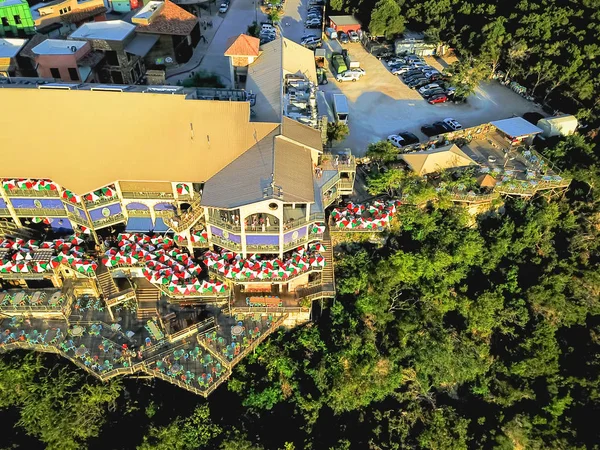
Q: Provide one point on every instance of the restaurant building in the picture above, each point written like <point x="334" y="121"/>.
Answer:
<point x="181" y="164"/>
<point x="190" y="200"/>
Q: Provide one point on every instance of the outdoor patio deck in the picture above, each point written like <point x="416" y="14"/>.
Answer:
<point x="197" y="358"/>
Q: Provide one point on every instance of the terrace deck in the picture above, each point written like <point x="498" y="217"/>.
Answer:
<point x="192" y="354"/>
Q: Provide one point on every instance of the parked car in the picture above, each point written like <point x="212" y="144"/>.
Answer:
<point x="435" y="129"/>
<point x="430" y="73"/>
<point x="343" y="37"/>
<point x="430" y="130"/>
<point x="417" y="83"/>
<point x="347" y="76"/>
<point x="399" y="70"/>
<point x="408" y="138"/>
<point x="308" y="37"/>
<point x="412" y="58"/>
<point x="396" y="140"/>
<point x="314" y="40"/>
<point x="438" y="98"/>
<point x="411" y="73"/>
<point x="357" y="71"/>
<point x="313" y="46"/>
<point x="444" y="126"/>
<point x="316" y="23"/>
<point x="433" y="92"/>
<point x="223" y="8"/>
<point x="428" y="87"/>
<point x="409" y="76"/>
<point x="453" y="124"/>
<point x="353" y="35"/>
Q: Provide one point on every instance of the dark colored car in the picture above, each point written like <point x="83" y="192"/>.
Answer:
<point x="418" y="82"/>
<point x="411" y="73"/>
<point x="343" y="37"/>
<point x="431" y="92"/>
<point x="430" y="130"/>
<point x="409" y="138"/>
<point x="439" y="98"/>
<point x="444" y="127"/>
<point x="409" y="80"/>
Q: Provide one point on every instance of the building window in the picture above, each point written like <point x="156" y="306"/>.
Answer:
<point x="111" y="58"/>
<point x="55" y="72"/>
<point x="117" y="77"/>
<point x="73" y="74"/>
<point x="60" y="12"/>
<point x="17" y="19"/>
<point x="5" y="22"/>
<point x="69" y="8"/>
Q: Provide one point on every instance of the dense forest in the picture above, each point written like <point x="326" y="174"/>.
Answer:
<point x="450" y="335"/>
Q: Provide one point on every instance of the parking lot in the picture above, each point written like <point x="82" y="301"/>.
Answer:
<point x="381" y="104"/>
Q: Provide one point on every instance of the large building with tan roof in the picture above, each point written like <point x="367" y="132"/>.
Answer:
<point x="189" y="161"/>
<point x="125" y="208"/>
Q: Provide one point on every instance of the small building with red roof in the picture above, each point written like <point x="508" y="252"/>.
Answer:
<point x="242" y="51"/>
<point x="178" y="31"/>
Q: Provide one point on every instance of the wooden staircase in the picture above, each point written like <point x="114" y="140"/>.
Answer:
<point x="326" y="287"/>
<point x="147" y="298"/>
<point x="9" y="229"/>
<point x="106" y="282"/>
<point x="187" y="219"/>
<point x="327" y="275"/>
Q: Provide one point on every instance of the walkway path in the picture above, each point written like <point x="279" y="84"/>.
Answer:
<point x="209" y="56"/>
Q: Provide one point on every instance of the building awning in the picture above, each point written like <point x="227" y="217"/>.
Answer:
<point x="141" y="44"/>
<point x="516" y="127"/>
<point x="141" y="224"/>
<point x="160" y="226"/>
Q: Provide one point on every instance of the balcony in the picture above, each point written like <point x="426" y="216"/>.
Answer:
<point x="138" y="212"/>
<point x="101" y="201"/>
<point x="346" y="164"/>
<point x="4" y="212"/>
<point x="117" y="218"/>
<point x="216" y="221"/>
<point x="262" y="248"/>
<point x="148" y="195"/>
<point x="32" y="193"/>
<point x="222" y="278"/>
<point x="345" y="185"/>
<point x="40" y="212"/>
<point x="184" y="198"/>
<point x="226" y="243"/>
<point x="76" y="218"/>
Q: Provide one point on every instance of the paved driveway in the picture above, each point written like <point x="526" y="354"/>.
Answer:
<point x="241" y="14"/>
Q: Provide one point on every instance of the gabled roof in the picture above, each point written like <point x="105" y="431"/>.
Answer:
<point x="303" y="134"/>
<point x="516" y="127"/>
<point x="200" y="137"/>
<point x="58" y="47"/>
<point x="271" y="167"/>
<point x="486" y="180"/>
<point x="242" y="45"/>
<point x="171" y="19"/>
<point x="10" y="47"/>
<point x="110" y="30"/>
<point x="430" y="161"/>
